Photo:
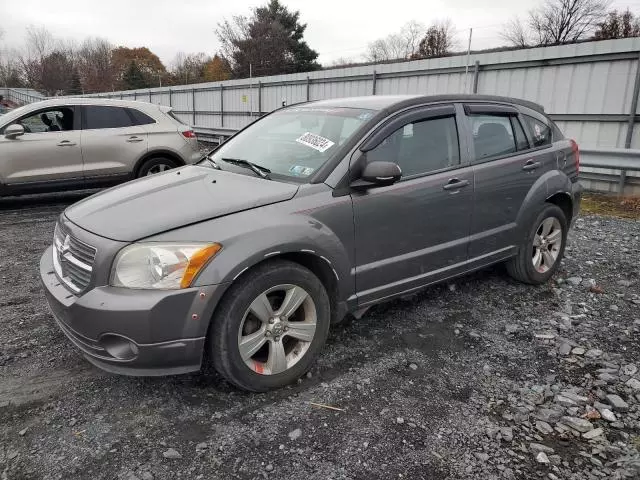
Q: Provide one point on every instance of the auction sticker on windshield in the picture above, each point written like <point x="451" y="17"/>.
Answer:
<point x="316" y="142"/>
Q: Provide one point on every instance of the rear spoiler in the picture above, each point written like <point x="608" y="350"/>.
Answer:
<point x="164" y="108"/>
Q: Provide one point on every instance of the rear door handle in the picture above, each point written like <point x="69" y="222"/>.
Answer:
<point x="455" y="184"/>
<point x="134" y="139"/>
<point x="66" y="143"/>
<point x="530" y="165"/>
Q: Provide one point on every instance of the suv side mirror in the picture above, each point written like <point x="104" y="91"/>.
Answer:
<point x="378" y="174"/>
<point x="13" y="131"/>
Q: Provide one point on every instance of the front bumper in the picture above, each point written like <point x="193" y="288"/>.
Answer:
<point x="133" y="332"/>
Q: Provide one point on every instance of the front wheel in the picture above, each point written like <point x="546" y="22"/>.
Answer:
<point x="270" y="326"/>
<point x="540" y="253"/>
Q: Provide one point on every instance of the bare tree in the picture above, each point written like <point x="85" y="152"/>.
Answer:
<point x="562" y="21"/>
<point x="618" y="25"/>
<point x="516" y="34"/>
<point x="557" y="21"/>
<point x="189" y="68"/>
<point x="401" y="45"/>
<point x="94" y="65"/>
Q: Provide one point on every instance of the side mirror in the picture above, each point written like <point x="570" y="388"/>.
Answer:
<point x="378" y="174"/>
<point x="13" y="131"/>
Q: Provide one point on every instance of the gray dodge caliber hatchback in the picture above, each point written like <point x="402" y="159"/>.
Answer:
<point x="311" y="213"/>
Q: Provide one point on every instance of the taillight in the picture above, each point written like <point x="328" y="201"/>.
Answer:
<point x="576" y="154"/>
<point x="189" y="134"/>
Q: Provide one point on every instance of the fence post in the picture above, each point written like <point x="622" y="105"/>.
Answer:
<point x="630" y="124"/>
<point x="308" y="88"/>
<point x="135" y="95"/>
<point x="170" y="97"/>
<point x="373" y="86"/>
<point x="193" y="105"/>
<point x="476" y="74"/>
<point x="221" y="105"/>
<point x="259" y="99"/>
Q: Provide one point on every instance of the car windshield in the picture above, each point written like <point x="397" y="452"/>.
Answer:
<point x="295" y="142"/>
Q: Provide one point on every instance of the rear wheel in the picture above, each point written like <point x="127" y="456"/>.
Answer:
<point x="541" y="252"/>
<point x="270" y="326"/>
<point x="156" y="165"/>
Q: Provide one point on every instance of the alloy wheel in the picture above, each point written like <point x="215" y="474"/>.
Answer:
<point x="159" y="168"/>
<point x="547" y="243"/>
<point x="277" y="329"/>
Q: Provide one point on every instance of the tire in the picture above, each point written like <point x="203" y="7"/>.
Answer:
<point x="156" y="165"/>
<point x="234" y="321"/>
<point x="522" y="267"/>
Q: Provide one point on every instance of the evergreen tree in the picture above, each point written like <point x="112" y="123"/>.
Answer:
<point x="133" y="77"/>
<point x="75" y="87"/>
<point x="271" y="41"/>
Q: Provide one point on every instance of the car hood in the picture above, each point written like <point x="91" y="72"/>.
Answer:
<point x="180" y="197"/>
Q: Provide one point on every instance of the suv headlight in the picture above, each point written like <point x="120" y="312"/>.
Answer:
<point x="165" y="266"/>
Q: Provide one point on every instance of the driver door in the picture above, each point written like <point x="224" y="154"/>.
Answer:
<point x="49" y="150"/>
<point x="414" y="232"/>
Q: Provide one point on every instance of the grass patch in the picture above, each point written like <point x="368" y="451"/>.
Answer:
<point x="597" y="204"/>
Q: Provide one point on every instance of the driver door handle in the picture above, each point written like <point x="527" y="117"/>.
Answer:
<point x="134" y="139"/>
<point x="530" y="165"/>
<point x="455" y="184"/>
<point x="66" y="143"/>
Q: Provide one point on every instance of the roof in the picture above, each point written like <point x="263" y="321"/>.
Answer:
<point x="394" y="102"/>
<point x="88" y="101"/>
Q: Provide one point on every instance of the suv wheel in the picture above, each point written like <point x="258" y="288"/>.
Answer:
<point x="540" y="255"/>
<point x="270" y="326"/>
<point x="156" y="165"/>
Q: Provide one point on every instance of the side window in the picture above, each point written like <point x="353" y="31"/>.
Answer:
<point x="53" y="120"/>
<point x="105" y="117"/>
<point x="540" y="131"/>
<point x="492" y="136"/>
<point x="140" y="118"/>
<point x="521" y="139"/>
<point x="421" y="146"/>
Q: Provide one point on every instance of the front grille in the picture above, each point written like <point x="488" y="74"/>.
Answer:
<point x="72" y="260"/>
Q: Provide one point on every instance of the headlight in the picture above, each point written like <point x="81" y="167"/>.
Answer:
<point x="161" y="265"/>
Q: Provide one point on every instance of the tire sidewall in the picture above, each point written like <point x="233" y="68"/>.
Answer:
<point x="152" y="162"/>
<point x="549" y="211"/>
<point x="227" y="324"/>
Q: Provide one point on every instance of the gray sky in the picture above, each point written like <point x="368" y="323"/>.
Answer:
<point x="336" y="28"/>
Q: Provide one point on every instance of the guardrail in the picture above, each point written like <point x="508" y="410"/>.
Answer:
<point x="21" y="96"/>
<point x="617" y="160"/>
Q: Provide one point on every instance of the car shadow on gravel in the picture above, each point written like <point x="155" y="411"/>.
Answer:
<point x="53" y="200"/>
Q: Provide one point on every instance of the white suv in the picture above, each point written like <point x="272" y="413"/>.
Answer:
<point x="85" y="143"/>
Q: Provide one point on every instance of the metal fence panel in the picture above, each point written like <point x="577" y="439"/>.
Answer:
<point x="588" y="88"/>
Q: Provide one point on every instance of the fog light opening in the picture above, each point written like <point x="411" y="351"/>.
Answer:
<point x="119" y="347"/>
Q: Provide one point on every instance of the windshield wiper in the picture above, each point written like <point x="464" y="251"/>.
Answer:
<point x="258" y="169"/>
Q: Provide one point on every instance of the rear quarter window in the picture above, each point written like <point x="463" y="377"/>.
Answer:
<point x="140" y="118"/>
<point x="540" y="131"/>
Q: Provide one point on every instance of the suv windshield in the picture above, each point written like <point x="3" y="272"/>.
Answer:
<point x="295" y="142"/>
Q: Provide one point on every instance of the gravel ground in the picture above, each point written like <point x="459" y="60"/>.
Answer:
<point x="480" y="379"/>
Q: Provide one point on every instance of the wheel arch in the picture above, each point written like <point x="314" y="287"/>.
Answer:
<point x="318" y="264"/>
<point x="565" y="202"/>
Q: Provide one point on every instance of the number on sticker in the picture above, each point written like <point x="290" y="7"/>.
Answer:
<point x="316" y="142"/>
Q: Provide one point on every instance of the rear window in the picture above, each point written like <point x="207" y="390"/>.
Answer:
<point x="140" y="118"/>
<point x="98" y="116"/>
<point x="172" y="115"/>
